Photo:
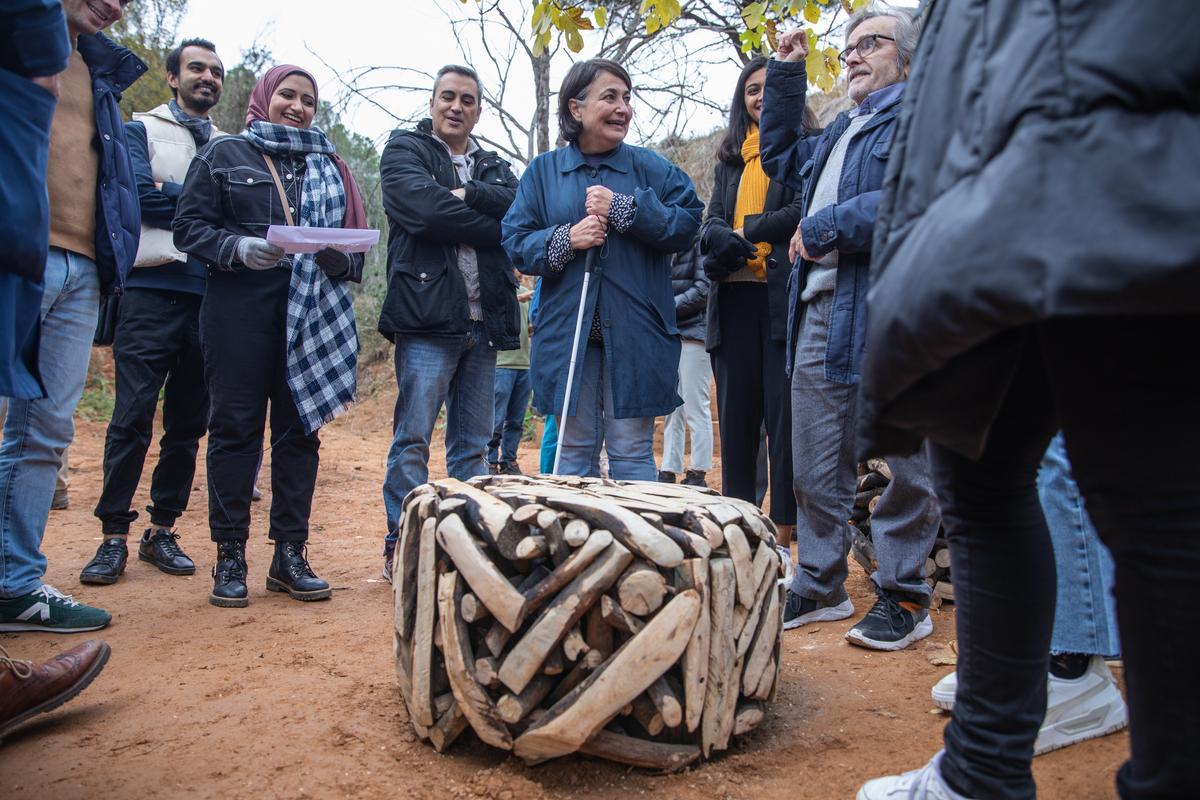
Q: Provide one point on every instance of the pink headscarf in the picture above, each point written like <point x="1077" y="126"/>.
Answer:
<point x="256" y="111"/>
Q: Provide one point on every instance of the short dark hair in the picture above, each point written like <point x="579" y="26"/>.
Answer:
<point x="176" y="55"/>
<point x="466" y="72"/>
<point x="575" y="86"/>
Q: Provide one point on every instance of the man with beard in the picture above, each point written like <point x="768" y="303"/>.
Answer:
<point x="157" y="338"/>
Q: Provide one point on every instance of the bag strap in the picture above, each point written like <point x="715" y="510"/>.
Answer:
<point x="287" y="208"/>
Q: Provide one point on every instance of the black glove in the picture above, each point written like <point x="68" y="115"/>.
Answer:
<point x="714" y="269"/>
<point x="334" y="263"/>
<point x="729" y="249"/>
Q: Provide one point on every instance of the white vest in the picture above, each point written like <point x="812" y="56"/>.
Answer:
<point x="171" y="149"/>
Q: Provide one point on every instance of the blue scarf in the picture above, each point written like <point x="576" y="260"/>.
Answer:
<point x="201" y="129"/>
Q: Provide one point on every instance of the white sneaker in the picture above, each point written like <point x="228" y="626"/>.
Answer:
<point x="925" y="783"/>
<point x="1076" y="710"/>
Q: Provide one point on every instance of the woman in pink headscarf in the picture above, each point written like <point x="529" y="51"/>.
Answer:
<point x="274" y="328"/>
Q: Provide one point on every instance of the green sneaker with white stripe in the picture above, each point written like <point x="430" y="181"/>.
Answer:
<point x="51" y="611"/>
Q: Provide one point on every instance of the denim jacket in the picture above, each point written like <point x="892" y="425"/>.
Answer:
<point x="796" y="159"/>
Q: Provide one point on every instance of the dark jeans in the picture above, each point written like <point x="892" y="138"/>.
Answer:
<point x="157" y="341"/>
<point x="1124" y="394"/>
<point x="513" y="388"/>
<point x="753" y="390"/>
<point x="243" y="334"/>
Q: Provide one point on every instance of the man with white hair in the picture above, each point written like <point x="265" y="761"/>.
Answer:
<point x="839" y="173"/>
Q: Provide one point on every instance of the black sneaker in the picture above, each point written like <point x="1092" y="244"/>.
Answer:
<point x="891" y="624"/>
<point x="666" y="477"/>
<point x="510" y="468"/>
<point x="694" y="477"/>
<point x="291" y="573"/>
<point x="803" y="610"/>
<point x="108" y="563"/>
<point x="160" y="547"/>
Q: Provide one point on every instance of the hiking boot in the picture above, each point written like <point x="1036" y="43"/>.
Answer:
<point x="694" y="477"/>
<point x="229" y="575"/>
<point x="49" y="610"/>
<point x="27" y="690"/>
<point x="803" y="610"/>
<point x="61" y="501"/>
<point x="108" y="563"/>
<point x="159" y="547"/>
<point x="666" y="477"/>
<point x="510" y="468"/>
<point x="891" y="624"/>
<point x="389" y="555"/>
<point x="925" y="783"/>
<point x="291" y="573"/>
<point x="1076" y="709"/>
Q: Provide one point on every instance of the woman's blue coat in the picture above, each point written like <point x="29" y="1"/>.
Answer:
<point x="631" y="282"/>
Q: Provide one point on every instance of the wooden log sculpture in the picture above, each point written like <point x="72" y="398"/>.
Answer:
<point x="631" y="621"/>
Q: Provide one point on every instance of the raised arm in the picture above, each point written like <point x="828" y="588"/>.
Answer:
<point x="785" y="145"/>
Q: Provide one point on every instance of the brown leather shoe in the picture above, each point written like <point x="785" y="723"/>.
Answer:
<point x="27" y="690"/>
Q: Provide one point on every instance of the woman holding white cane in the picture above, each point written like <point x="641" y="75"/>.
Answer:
<point x="632" y="209"/>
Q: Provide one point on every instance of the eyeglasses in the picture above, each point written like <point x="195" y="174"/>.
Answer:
<point x="864" y="46"/>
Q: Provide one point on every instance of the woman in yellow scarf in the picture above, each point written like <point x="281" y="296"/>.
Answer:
<point x="745" y="244"/>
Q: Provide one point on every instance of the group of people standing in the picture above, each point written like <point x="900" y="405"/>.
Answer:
<point x="947" y="221"/>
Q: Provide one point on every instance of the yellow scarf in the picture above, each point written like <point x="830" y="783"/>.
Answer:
<point x="752" y="198"/>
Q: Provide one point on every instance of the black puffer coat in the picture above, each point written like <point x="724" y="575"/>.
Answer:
<point x="690" y="286"/>
<point x="1041" y="169"/>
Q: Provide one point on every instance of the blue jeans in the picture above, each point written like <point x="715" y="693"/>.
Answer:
<point x="629" y="442"/>
<point x="1085" y="613"/>
<point x="431" y="370"/>
<point x="513" y="387"/>
<point x="36" y="432"/>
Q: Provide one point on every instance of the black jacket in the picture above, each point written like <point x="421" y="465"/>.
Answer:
<point x="426" y="294"/>
<point x="690" y="286"/>
<point x="229" y="194"/>
<point x="1066" y="190"/>
<point x="781" y="214"/>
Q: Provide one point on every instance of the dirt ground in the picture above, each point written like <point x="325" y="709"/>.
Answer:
<point x="287" y="700"/>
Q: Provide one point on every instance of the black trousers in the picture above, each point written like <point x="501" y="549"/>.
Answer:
<point x="1124" y="393"/>
<point x="157" y="342"/>
<point x="753" y="388"/>
<point x="243" y="330"/>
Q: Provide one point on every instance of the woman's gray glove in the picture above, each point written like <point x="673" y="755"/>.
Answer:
<point x="258" y="253"/>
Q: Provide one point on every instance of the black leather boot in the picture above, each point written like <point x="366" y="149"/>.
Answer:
<point x="291" y="573"/>
<point x="229" y="575"/>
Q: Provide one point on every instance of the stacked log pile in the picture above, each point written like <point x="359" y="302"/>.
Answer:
<point x="873" y="478"/>
<point x="638" y="622"/>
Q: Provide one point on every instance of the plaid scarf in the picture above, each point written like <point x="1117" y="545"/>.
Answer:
<point x="322" y="341"/>
<point x="199" y="127"/>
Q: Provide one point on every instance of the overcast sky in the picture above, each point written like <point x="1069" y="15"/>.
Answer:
<point x="357" y="33"/>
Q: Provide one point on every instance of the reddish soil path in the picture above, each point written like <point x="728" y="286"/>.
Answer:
<point x="286" y="700"/>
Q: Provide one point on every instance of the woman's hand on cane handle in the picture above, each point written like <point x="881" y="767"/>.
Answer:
<point x="598" y="201"/>
<point x="588" y="232"/>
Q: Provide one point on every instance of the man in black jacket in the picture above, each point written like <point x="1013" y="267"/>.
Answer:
<point x="451" y="301"/>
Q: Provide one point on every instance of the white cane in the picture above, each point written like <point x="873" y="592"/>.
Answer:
<point x="588" y="263"/>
